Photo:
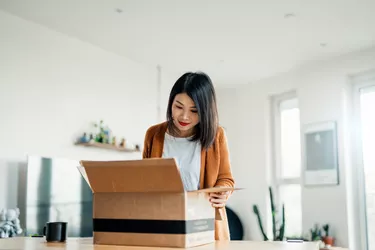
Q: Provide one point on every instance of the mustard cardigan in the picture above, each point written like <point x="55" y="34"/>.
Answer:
<point x="215" y="166"/>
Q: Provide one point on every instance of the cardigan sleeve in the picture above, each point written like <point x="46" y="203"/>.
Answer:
<point x="146" y="145"/>
<point x="145" y="151"/>
<point x="225" y="177"/>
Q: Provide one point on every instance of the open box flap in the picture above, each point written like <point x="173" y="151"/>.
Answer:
<point x="216" y="189"/>
<point x="147" y="175"/>
<point x="84" y="175"/>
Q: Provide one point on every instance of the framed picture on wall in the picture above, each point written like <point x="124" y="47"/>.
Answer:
<point x="320" y="154"/>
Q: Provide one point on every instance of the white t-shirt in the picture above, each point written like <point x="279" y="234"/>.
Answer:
<point x="188" y="157"/>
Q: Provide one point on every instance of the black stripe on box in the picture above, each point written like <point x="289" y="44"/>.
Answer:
<point x="153" y="226"/>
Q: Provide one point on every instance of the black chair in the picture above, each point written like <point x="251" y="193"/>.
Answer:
<point x="235" y="225"/>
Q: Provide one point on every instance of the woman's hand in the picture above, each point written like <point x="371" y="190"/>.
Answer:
<point x="219" y="199"/>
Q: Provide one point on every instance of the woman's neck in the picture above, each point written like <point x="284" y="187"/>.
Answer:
<point x="181" y="134"/>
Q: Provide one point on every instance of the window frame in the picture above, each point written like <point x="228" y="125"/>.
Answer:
<point x="276" y="169"/>
<point x="276" y="179"/>
<point x="359" y="82"/>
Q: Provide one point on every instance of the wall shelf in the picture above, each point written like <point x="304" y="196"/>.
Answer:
<point x="106" y="146"/>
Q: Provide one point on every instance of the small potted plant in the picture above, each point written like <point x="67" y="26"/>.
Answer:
<point x="327" y="238"/>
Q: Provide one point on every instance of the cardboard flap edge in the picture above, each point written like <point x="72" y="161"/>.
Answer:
<point x="217" y="189"/>
<point x="82" y="170"/>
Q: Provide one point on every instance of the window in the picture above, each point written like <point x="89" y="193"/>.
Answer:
<point x="367" y="105"/>
<point x="363" y="174"/>
<point x="287" y="167"/>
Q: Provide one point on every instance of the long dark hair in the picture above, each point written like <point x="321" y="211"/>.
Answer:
<point x="198" y="86"/>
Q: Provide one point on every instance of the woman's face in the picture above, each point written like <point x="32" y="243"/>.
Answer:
<point x="185" y="114"/>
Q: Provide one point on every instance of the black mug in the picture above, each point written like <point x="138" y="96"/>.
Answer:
<point x="55" y="231"/>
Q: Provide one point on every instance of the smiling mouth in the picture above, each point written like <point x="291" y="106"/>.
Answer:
<point x="183" y="123"/>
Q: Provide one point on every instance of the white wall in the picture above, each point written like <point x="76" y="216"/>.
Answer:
<point x="324" y="93"/>
<point x="53" y="86"/>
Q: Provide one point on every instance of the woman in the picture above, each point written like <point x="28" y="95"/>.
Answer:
<point x="193" y="137"/>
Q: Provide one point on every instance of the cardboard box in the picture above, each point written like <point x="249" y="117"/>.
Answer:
<point x="143" y="203"/>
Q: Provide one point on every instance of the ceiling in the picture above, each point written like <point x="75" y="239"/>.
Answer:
<point x="235" y="41"/>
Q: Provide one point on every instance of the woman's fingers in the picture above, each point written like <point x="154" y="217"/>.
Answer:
<point x="215" y="200"/>
<point x="219" y="199"/>
<point x="222" y="195"/>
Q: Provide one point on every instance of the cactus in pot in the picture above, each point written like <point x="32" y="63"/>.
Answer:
<point x="278" y="232"/>
<point x="327" y="238"/>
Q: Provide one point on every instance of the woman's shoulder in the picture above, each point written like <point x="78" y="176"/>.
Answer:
<point x="220" y="131"/>
<point x="156" y="128"/>
<point x="220" y="134"/>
